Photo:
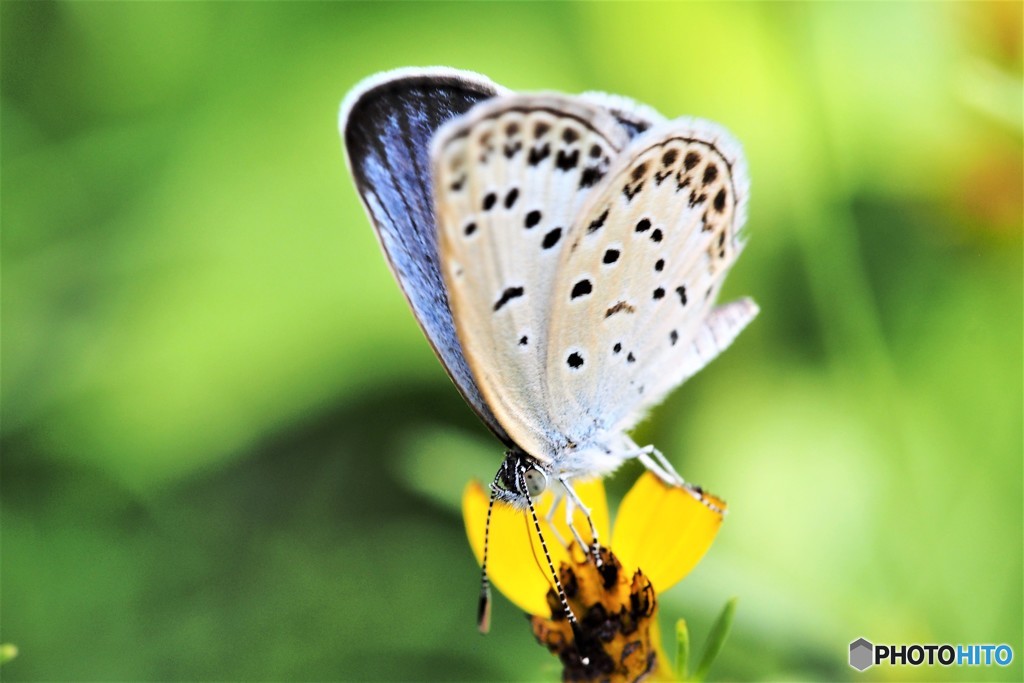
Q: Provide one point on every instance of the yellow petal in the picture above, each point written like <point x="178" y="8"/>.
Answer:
<point x="515" y="562"/>
<point x="664" y="530"/>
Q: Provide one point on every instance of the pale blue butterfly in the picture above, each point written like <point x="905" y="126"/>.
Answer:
<point x="562" y="255"/>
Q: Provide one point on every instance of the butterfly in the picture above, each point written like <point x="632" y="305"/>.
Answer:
<point x="562" y="254"/>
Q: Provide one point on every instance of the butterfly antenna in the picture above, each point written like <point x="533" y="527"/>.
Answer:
<point x="483" y="610"/>
<point x="547" y="555"/>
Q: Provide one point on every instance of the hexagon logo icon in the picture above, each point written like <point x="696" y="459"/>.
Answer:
<point x="861" y="654"/>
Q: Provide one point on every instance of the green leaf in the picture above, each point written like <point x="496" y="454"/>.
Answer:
<point x="682" y="649"/>
<point x="716" y="639"/>
<point x="8" y="651"/>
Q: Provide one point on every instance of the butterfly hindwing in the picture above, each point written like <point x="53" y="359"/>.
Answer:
<point x="510" y="177"/>
<point x="714" y="335"/>
<point x="387" y="123"/>
<point x="637" y="283"/>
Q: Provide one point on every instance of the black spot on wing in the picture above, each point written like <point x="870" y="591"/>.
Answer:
<point x="619" y="307"/>
<point x="598" y="222"/>
<point x="710" y="173"/>
<point x="719" y="202"/>
<point x="637" y="177"/>
<point x="539" y="154"/>
<point x="511" y="197"/>
<point x="532" y="218"/>
<point x="566" y="161"/>
<point x="551" y="239"/>
<point x="590" y="176"/>
<point x="581" y="288"/>
<point x="574" y="361"/>
<point x="630" y="191"/>
<point x="514" y="143"/>
<point x="508" y="295"/>
<point x="610" y="256"/>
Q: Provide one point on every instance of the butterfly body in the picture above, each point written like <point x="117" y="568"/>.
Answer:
<point x="562" y="254"/>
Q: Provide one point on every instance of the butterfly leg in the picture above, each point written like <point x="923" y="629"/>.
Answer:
<point x="666" y="465"/>
<point x="657" y="464"/>
<point x="658" y="471"/>
<point x="571" y="503"/>
<point x="662" y="468"/>
<point x="668" y="476"/>
<point x="559" y="495"/>
<point x="570" y="508"/>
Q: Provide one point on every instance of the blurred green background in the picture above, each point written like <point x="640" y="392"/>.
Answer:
<point x="229" y="454"/>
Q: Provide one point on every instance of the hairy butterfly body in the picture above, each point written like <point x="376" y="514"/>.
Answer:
<point x="562" y="254"/>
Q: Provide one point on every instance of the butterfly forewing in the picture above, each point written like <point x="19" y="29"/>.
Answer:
<point x="510" y="178"/>
<point x="387" y="124"/>
<point x="636" y="285"/>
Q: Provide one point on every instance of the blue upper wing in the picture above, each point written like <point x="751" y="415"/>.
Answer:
<point x="387" y="123"/>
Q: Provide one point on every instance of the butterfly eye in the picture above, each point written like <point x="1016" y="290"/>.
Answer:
<point x="536" y="481"/>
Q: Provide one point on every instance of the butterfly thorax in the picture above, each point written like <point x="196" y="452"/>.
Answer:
<point x="522" y="475"/>
<point x="511" y="485"/>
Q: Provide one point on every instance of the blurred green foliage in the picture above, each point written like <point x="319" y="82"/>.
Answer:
<point x="229" y="454"/>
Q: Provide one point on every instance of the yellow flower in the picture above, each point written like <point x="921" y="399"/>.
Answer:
<point x="660" y="534"/>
